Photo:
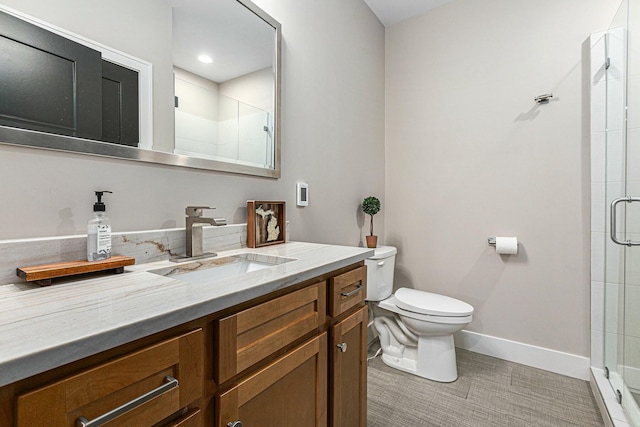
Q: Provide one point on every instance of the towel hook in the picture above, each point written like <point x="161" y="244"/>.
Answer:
<point x="543" y="99"/>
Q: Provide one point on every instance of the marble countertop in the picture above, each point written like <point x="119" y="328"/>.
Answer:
<point x="43" y="328"/>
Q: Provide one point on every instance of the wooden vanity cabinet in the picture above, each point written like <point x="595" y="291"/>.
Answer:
<point x="348" y="371"/>
<point x="321" y="382"/>
<point x="296" y="357"/>
<point x="171" y="370"/>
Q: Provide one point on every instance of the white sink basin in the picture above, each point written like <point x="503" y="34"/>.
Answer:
<point x="211" y="269"/>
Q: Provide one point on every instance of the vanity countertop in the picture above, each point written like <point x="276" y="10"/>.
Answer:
<point x="43" y="328"/>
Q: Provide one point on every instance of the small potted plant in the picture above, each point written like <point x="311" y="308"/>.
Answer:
<point x="371" y="206"/>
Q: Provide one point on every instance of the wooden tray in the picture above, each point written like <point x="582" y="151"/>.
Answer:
<point x="42" y="274"/>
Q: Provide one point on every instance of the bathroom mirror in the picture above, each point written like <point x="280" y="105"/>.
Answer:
<point x="226" y="110"/>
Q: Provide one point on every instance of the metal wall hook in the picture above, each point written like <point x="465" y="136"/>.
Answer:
<point x="543" y="99"/>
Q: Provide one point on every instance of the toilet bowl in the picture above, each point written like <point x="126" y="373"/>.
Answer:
<point x="415" y="327"/>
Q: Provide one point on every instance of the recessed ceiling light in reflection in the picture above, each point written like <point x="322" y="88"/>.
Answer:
<point x="205" y="58"/>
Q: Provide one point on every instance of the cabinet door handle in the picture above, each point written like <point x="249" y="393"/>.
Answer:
<point x="170" y="383"/>
<point x="234" y="423"/>
<point x="342" y="347"/>
<point x="353" y="292"/>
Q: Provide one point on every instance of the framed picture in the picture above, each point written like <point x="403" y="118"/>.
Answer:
<point x="265" y="223"/>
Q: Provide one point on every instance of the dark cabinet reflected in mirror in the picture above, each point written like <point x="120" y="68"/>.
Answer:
<point x="58" y="93"/>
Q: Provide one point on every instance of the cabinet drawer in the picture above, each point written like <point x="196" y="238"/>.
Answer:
<point x="347" y="290"/>
<point x="172" y="368"/>
<point x="251" y="335"/>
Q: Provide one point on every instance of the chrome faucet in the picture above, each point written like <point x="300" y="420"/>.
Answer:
<point x="195" y="222"/>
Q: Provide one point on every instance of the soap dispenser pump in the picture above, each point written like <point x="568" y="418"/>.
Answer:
<point x="99" y="231"/>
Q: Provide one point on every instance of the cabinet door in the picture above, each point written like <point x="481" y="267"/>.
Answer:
<point x="120" y="123"/>
<point x="292" y="391"/>
<point x="47" y="82"/>
<point x="171" y="369"/>
<point x="348" y="392"/>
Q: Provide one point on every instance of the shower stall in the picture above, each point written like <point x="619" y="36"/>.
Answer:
<point x="615" y="215"/>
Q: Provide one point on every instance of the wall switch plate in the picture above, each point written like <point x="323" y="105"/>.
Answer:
<point x="303" y="194"/>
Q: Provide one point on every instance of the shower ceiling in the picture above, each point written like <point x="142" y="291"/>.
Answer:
<point x="391" y="11"/>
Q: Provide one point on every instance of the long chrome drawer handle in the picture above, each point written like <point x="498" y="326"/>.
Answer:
<point x="138" y="401"/>
<point x="353" y="292"/>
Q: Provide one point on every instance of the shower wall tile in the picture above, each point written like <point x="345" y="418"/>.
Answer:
<point x="612" y="314"/>
<point x="632" y="209"/>
<point x="615" y="156"/>
<point x="632" y="314"/>
<point x="615" y="102"/>
<point x="611" y="344"/>
<point x="597" y="306"/>
<point x="598" y="110"/>
<point x="614" y="190"/>
<point x="597" y="257"/>
<point x="614" y="264"/>
<point x="631" y="369"/>
<point x="632" y="265"/>
<point x="597" y="348"/>
<point x="633" y="153"/>
<point x="633" y="101"/>
<point x="598" y="209"/>
<point x="598" y="153"/>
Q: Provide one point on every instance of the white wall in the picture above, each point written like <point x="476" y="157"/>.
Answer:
<point x="332" y="136"/>
<point x="470" y="155"/>
<point x="255" y="89"/>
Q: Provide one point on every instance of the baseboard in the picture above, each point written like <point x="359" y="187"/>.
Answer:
<point x="567" y="364"/>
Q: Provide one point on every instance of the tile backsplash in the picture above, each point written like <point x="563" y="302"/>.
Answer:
<point x="144" y="246"/>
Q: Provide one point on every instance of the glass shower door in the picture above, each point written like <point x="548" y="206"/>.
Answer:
<point x="622" y="252"/>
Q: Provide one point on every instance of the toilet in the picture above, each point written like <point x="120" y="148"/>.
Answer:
<point x="415" y="327"/>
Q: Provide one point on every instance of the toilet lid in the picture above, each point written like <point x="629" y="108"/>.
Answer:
<point x="433" y="304"/>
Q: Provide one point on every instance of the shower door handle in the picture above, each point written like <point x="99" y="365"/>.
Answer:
<point x="614" y="204"/>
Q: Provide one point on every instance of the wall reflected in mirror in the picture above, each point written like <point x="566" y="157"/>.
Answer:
<point x="224" y="82"/>
<point x="226" y="106"/>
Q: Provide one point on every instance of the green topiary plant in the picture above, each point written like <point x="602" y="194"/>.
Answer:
<point x="371" y="206"/>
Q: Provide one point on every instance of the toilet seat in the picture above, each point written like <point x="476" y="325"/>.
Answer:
<point x="432" y="304"/>
<point x="391" y="304"/>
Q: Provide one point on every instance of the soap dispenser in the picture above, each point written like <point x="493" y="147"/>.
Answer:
<point x="99" y="232"/>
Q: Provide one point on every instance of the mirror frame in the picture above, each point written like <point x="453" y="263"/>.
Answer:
<point x="29" y="138"/>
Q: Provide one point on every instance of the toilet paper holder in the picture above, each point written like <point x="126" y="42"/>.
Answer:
<point x="504" y="245"/>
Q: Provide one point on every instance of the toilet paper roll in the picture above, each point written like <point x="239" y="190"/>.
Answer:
<point x="507" y="245"/>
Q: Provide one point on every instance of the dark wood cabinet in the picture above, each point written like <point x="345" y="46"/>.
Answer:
<point x="47" y="82"/>
<point x="51" y="84"/>
<point x="120" y="123"/>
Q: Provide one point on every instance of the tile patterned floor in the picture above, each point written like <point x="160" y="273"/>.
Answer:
<point x="488" y="392"/>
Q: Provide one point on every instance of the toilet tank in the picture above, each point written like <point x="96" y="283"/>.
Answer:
<point x="380" y="269"/>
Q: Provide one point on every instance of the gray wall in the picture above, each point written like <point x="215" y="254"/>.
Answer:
<point x="332" y="131"/>
<point x="469" y="155"/>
